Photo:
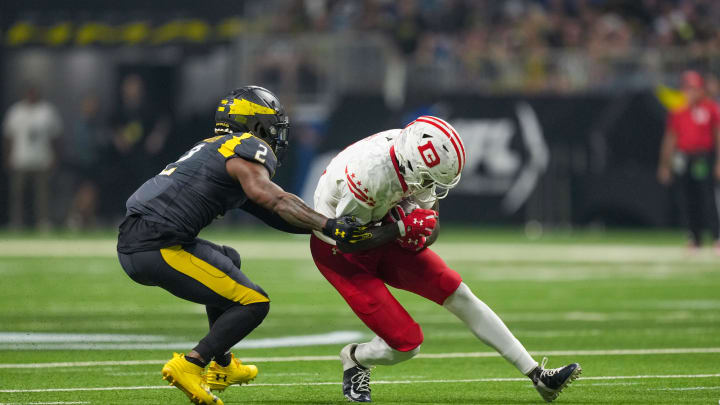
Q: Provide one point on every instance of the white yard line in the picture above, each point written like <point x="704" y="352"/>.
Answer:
<point x="441" y="381"/>
<point x="624" y="352"/>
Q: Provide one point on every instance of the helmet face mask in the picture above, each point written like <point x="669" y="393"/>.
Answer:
<point x="437" y="191"/>
<point x="279" y="133"/>
<point x="258" y="111"/>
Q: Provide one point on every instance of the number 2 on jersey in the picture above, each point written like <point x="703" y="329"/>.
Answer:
<point x="260" y="154"/>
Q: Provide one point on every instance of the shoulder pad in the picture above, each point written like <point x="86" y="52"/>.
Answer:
<point x="248" y="147"/>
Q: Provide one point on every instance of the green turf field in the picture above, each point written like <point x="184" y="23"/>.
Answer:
<point x="641" y="316"/>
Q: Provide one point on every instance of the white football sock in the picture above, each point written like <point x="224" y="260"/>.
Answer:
<point x="488" y="327"/>
<point x="377" y="353"/>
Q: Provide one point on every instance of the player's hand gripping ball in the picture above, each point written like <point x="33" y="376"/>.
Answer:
<point x="415" y="227"/>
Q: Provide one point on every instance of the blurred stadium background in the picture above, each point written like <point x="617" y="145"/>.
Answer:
<point x="560" y="102"/>
<point x="562" y="105"/>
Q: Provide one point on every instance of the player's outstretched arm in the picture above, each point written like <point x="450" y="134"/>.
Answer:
<point x="272" y="219"/>
<point x="255" y="181"/>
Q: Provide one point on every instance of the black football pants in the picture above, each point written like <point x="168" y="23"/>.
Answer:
<point x="701" y="200"/>
<point x="208" y="274"/>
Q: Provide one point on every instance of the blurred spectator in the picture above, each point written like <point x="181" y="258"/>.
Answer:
<point x="82" y="157"/>
<point x="139" y="134"/>
<point x="30" y="130"/>
<point x="138" y="128"/>
<point x="513" y="44"/>
<point x="692" y="147"/>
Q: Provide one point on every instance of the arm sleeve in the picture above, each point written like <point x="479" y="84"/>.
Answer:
<point x="271" y="219"/>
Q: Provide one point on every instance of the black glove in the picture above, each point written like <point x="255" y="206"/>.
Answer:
<point x="346" y="229"/>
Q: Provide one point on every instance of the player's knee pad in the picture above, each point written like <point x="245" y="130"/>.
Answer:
<point x="405" y="339"/>
<point x="233" y="255"/>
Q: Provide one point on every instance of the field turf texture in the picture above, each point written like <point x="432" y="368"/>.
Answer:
<point x="640" y="315"/>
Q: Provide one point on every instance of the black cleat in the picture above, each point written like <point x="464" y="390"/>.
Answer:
<point x="356" y="379"/>
<point x="549" y="383"/>
<point x="356" y="384"/>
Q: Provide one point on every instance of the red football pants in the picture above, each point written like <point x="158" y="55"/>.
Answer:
<point x="361" y="277"/>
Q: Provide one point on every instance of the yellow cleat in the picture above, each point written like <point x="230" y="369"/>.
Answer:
<point x="188" y="378"/>
<point x="219" y="377"/>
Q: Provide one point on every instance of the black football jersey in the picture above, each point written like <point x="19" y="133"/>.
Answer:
<point x="172" y="207"/>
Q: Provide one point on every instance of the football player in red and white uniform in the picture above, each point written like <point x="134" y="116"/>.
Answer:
<point x="392" y="182"/>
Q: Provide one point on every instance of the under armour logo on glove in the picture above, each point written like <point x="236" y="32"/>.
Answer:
<point x="420" y="222"/>
<point x="416" y="227"/>
<point x="412" y="244"/>
<point x="346" y="229"/>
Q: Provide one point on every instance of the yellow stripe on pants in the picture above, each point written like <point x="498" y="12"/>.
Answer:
<point x="210" y="276"/>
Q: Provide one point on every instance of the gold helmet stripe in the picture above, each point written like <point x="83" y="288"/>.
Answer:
<point x="245" y="107"/>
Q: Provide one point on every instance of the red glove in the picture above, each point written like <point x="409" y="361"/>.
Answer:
<point x="397" y="214"/>
<point x="414" y="227"/>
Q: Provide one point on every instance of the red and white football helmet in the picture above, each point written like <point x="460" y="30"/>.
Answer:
<point x="432" y="154"/>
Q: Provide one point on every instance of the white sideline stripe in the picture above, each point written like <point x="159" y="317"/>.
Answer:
<point x="684" y="389"/>
<point x="43" y="403"/>
<point x="626" y="352"/>
<point x="59" y="341"/>
<point x="469" y="380"/>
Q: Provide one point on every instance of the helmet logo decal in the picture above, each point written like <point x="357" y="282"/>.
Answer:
<point x="246" y="107"/>
<point x="429" y="154"/>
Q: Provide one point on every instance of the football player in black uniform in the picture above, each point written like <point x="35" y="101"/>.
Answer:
<point x="158" y="244"/>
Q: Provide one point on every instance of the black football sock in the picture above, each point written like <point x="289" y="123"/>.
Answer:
<point x="196" y="361"/>
<point x="213" y="313"/>
<point x="535" y="374"/>
<point x="223" y="360"/>
<point x="231" y="327"/>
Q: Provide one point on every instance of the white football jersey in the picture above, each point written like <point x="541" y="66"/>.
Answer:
<point x="363" y="180"/>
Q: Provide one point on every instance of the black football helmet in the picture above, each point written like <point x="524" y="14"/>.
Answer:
<point x="256" y="110"/>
